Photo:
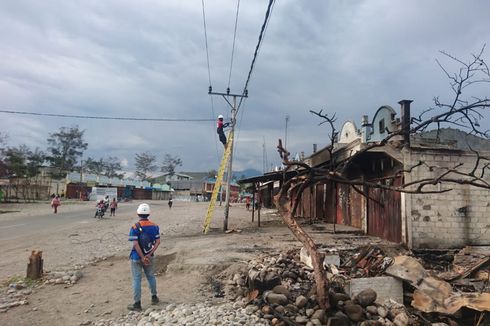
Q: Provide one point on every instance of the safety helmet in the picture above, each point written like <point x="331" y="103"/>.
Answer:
<point x="220" y="117"/>
<point x="143" y="209"/>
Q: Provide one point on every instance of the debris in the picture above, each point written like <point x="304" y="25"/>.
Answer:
<point x="468" y="260"/>
<point x="369" y="261"/>
<point x="434" y="295"/>
<point x="386" y="287"/>
<point x="233" y="230"/>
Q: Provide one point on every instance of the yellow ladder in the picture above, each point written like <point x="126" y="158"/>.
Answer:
<point x="217" y="184"/>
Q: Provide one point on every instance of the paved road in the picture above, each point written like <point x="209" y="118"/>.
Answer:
<point x="28" y="225"/>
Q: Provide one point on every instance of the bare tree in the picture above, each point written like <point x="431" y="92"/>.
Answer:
<point x="465" y="112"/>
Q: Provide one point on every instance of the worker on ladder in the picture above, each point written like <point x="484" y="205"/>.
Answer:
<point x="219" y="129"/>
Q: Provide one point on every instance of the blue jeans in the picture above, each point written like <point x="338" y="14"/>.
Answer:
<point x="136" y="267"/>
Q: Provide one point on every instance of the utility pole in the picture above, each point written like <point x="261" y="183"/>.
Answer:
<point x="286" y="132"/>
<point x="81" y="178"/>
<point x="234" y="110"/>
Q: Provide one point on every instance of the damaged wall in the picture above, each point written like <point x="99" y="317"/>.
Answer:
<point x="446" y="220"/>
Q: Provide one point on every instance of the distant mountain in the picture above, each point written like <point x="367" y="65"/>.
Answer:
<point x="247" y="173"/>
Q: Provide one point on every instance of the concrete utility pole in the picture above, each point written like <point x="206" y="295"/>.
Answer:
<point x="234" y="110"/>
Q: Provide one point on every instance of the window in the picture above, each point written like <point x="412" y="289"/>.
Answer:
<point x="382" y="126"/>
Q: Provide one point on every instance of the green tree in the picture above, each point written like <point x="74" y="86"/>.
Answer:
<point x="170" y="164"/>
<point x="94" y="166"/>
<point x="35" y="160"/>
<point x="108" y="167"/>
<point x="16" y="161"/>
<point x="145" y="165"/>
<point x="65" y="147"/>
<point x="113" y="167"/>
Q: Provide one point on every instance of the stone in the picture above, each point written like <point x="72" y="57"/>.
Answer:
<point x="261" y="280"/>
<point x="266" y="310"/>
<point x="339" y="319"/>
<point x="393" y="308"/>
<point x="281" y="289"/>
<point x="280" y="309"/>
<point x="316" y="322"/>
<point x="386" y="287"/>
<point x="382" y="312"/>
<point x="274" y="298"/>
<point x="354" y="312"/>
<point x="291" y="308"/>
<point x="401" y="319"/>
<point x="301" y="301"/>
<point x="366" y="297"/>
<point x="291" y="275"/>
<point x="320" y="315"/>
<point x="373" y="310"/>
<point x="309" y="312"/>
<point x="301" y="320"/>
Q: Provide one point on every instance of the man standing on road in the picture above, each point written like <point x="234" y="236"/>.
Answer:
<point x="145" y="236"/>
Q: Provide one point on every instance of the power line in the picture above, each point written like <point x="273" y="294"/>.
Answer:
<point x="104" y="117"/>
<point x="209" y="74"/>
<point x="206" y="41"/>
<point x="261" y="36"/>
<point x="234" y="39"/>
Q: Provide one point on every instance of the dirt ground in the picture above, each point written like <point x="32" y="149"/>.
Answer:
<point x="185" y="260"/>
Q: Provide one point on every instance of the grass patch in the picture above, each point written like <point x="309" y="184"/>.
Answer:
<point x="19" y="279"/>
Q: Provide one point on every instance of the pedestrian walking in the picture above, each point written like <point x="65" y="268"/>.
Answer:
<point x="55" y="202"/>
<point x="170" y="203"/>
<point x="145" y="236"/>
<point x="113" y="206"/>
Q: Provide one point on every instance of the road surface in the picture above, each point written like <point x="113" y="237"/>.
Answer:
<point x="24" y="226"/>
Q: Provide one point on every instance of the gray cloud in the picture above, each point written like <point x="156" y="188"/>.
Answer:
<point x="147" y="59"/>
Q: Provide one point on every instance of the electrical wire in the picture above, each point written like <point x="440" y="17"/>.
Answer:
<point x="209" y="75"/>
<point x="261" y="37"/>
<point x="234" y="39"/>
<point x="104" y="117"/>
<point x="206" y="42"/>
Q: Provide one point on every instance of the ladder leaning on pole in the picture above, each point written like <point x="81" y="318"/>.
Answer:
<point x="217" y="184"/>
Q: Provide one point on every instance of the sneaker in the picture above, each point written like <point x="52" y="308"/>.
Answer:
<point x="135" y="306"/>
<point x="154" y="299"/>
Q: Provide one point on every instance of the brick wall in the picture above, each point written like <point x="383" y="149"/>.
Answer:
<point x="447" y="220"/>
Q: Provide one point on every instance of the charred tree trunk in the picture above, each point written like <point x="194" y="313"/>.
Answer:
<point x="321" y="280"/>
<point x="35" y="265"/>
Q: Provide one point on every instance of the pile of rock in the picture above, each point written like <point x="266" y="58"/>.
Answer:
<point x="282" y="290"/>
<point x="13" y="296"/>
<point x="64" y="277"/>
<point x="189" y="315"/>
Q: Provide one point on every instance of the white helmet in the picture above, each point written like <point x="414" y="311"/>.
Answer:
<point x="220" y="117"/>
<point x="143" y="209"/>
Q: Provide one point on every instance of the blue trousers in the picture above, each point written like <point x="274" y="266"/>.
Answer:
<point x="136" y="268"/>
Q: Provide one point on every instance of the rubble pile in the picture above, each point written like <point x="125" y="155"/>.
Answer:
<point x="281" y="289"/>
<point x="14" y="295"/>
<point x="65" y="277"/>
<point x="187" y="314"/>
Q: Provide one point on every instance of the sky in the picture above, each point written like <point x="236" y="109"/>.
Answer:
<point x="147" y="59"/>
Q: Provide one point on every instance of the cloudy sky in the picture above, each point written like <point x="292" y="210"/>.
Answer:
<point x="147" y="59"/>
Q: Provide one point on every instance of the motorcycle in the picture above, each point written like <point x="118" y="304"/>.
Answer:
<point x="99" y="212"/>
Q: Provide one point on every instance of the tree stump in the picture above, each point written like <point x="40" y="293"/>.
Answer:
<point x="35" y="265"/>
